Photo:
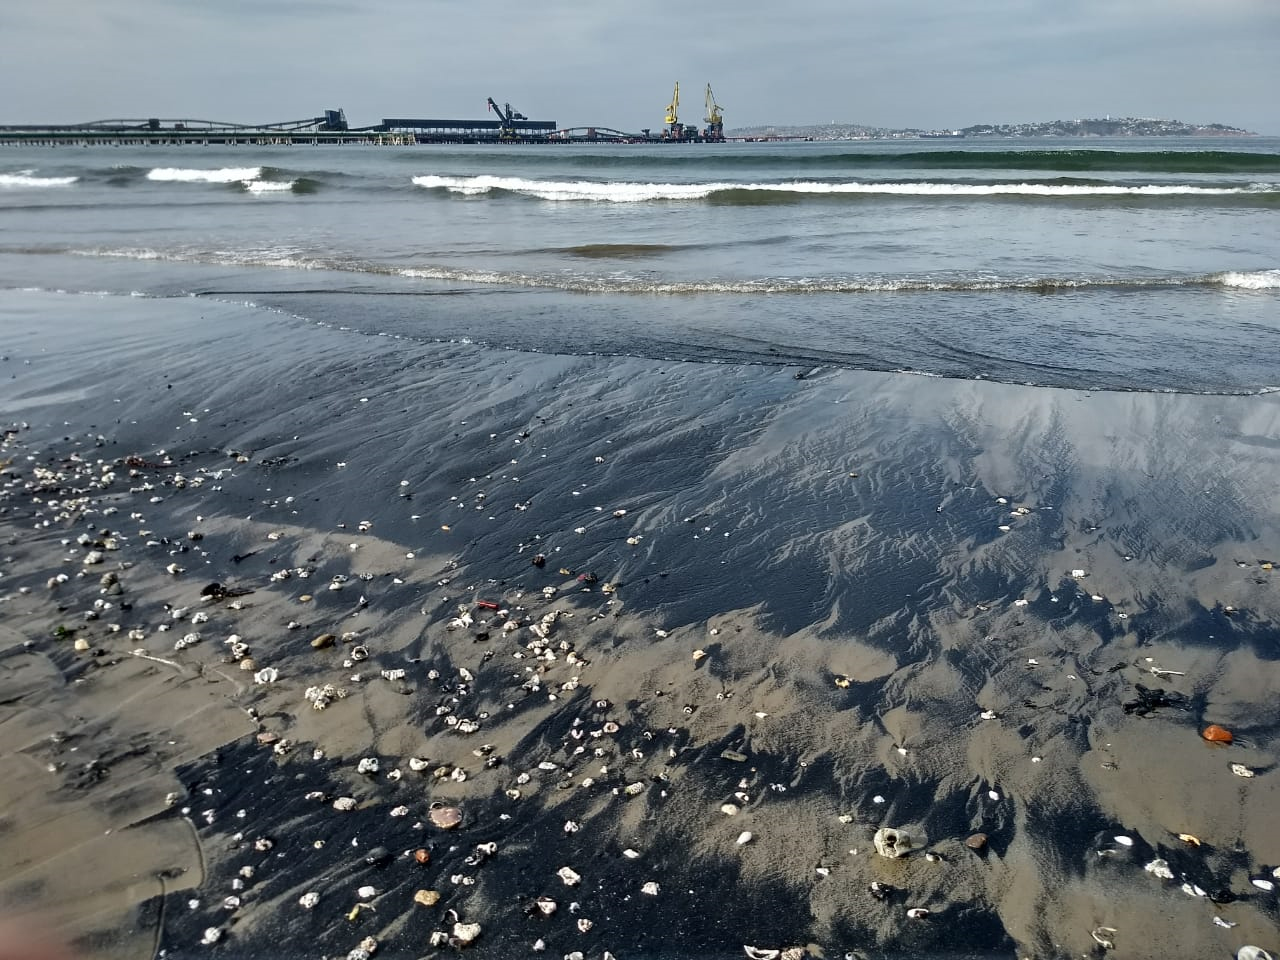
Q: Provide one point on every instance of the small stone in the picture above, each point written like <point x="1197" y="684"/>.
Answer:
<point x="1216" y="734"/>
<point x="466" y="933"/>
<point x="309" y="900"/>
<point x="977" y="841"/>
<point x="427" y="898"/>
<point x="744" y="838"/>
<point x="324" y="641"/>
<point x="569" y="876"/>
<point x="82" y="645"/>
<point x="892" y="843"/>
<point x="1159" y="868"/>
<point x="446" y="818"/>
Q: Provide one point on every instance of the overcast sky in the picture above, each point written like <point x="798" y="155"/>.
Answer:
<point x="921" y="63"/>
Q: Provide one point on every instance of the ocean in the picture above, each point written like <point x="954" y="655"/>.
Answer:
<point x="1107" y="264"/>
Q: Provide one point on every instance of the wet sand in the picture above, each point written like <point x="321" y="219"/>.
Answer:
<point x="870" y="564"/>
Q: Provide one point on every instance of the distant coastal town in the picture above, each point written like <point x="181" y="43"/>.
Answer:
<point x="1105" y="127"/>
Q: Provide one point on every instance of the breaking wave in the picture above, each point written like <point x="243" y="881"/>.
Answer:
<point x="220" y="175"/>
<point x="634" y="192"/>
<point x="27" y="178"/>
<point x="291" y="259"/>
<point x="269" y="186"/>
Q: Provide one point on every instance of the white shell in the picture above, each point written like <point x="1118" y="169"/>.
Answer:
<point x="309" y="900"/>
<point x="367" y="893"/>
<point x="744" y="838"/>
<point x="568" y="875"/>
<point x="651" y="888"/>
<point x="1159" y="868"/>
<point x="1240" y="770"/>
<point x="917" y="913"/>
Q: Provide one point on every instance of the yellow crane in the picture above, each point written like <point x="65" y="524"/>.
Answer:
<point x="715" y="118"/>
<point x="673" y="107"/>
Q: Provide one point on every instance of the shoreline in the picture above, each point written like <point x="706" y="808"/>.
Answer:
<point x="841" y="535"/>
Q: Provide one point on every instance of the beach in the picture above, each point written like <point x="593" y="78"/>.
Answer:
<point x="694" y="631"/>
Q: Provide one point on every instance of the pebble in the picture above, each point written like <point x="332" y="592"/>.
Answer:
<point x="892" y="843"/>
<point x="976" y="842"/>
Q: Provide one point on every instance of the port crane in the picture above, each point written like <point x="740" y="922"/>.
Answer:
<point x="714" y="118"/>
<point x="674" y="127"/>
<point x="508" y="117"/>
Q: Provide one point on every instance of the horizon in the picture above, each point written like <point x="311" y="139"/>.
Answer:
<point x="910" y="66"/>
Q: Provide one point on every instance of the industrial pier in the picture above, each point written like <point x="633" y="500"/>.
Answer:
<point x="510" y="126"/>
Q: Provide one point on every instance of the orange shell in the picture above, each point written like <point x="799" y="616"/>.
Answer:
<point x="422" y="856"/>
<point x="1217" y="734"/>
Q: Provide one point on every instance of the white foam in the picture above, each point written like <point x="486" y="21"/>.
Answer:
<point x="221" y="175"/>
<point x="631" y="192"/>
<point x="268" y="186"/>
<point x="25" y="178"/>
<point x="1251" y="280"/>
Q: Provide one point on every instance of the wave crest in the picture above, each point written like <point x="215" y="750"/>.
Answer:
<point x="635" y="192"/>
<point x="186" y="175"/>
<point x="27" y="178"/>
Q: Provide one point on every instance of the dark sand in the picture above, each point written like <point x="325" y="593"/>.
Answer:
<point x="832" y="543"/>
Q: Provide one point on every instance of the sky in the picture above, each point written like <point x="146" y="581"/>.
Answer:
<point x="933" y="64"/>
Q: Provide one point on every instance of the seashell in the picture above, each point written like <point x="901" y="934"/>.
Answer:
<point x="917" y="913"/>
<point x="1159" y="868"/>
<point x="1102" y="936"/>
<point x="744" y="838"/>
<point x="444" y="817"/>
<point x="698" y="655"/>
<point x="309" y="900"/>
<point x="367" y="765"/>
<point x="651" y="888"/>
<point x="1189" y="838"/>
<point x="211" y="935"/>
<point x="893" y="843"/>
<point x="631" y="854"/>
<point x="1266" y="885"/>
<point x="367" y="892"/>
<point x="418" y="764"/>
<point x="1216" y="734"/>
<point x="1247" y="952"/>
<point x="1124" y="841"/>
<point x="729" y="809"/>
<point x="359" y="653"/>
<point x="266" y="675"/>
<point x="465" y="934"/>
<point x="1240" y="770"/>
<point x="426" y="898"/>
<point x="761" y="953"/>
<point x="572" y="826"/>
<point x="569" y="876"/>
<point x="344" y="803"/>
<point x="584" y="925"/>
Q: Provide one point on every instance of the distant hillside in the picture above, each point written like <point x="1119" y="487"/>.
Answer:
<point x="1107" y="127"/>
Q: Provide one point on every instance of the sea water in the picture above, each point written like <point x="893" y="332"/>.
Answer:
<point x="1123" y="264"/>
